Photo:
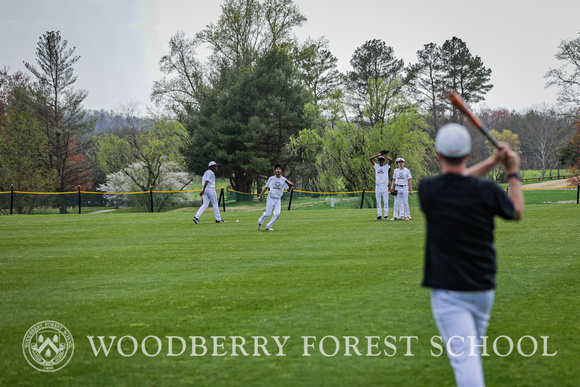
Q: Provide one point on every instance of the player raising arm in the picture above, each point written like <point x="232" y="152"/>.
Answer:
<point x="276" y="185"/>
<point x="382" y="182"/>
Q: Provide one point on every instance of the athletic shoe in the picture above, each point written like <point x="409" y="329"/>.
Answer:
<point x="259" y="226"/>
<point x="407" y="218"/>
<point x="378" y="218"/>
<point x="394" y="218"/>
<point x="196" y="220"/>
<point x="269" y="228"/>
<point x="220" y="221"/>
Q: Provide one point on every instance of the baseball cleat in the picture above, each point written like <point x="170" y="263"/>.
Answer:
<point x="269" y="228"/>
<point x="220" y="221"/>
<point x="393" y="218"/>
<point x="378" y="218"/>
<point x="196" y="220"/>
<point x="259" y="226"/>
<point x="407" y="218"/>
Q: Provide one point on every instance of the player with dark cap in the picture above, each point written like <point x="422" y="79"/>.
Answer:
<point x="460" y="259"/>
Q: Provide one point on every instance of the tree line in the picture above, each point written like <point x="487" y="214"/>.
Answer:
<point x="263" y="97"/>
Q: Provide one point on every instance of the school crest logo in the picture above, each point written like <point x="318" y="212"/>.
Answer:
<point x="48" y="346"/>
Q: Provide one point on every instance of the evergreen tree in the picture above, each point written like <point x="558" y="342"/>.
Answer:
<point x="372" y="61"/>
<point x="58" y="104"/>
<point x="247" y="127"/>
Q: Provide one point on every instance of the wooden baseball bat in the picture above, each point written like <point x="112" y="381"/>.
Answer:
<point x="459" y="103"/>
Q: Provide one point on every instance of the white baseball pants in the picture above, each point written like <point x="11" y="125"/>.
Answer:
<point x="209" y="196"/>
<point x="274" y="205"/>
<point x="401" y="206"/>
<point x="382" y="193"/>
<point x="462" y="318"/>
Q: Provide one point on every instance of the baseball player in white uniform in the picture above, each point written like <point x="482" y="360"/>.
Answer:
<point x="403" y="184"/>
<point x="276" y="185"/>
<point x="381" y="183"/>
<point x="208" y="194"/>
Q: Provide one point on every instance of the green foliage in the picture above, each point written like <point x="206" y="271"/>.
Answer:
<point x="152" y="147"/>
<point x="248" y="29"/>
<point x="23" y="152"/>
<point x="318" y="69"/>
<point x="371" y="62"/>
<point x="464" y="72"/>
<point x="441" y="69"/>
<point x="245" y="125"/>
<point x="340" y="151"/>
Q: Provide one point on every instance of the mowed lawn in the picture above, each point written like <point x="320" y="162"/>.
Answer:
<point x="322" y="273"/>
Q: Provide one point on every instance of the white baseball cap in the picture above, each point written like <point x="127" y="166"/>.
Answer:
<point x="453" y="140"/>
<point x="212" y="163"/>
<point x="399" y="159"/>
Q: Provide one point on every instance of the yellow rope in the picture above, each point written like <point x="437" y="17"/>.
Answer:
<point x="231" y="190"/>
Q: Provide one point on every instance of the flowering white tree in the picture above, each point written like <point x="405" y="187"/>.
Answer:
<point x="135" y="176"/>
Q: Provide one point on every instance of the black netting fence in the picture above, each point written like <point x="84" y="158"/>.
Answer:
<point x="19" y="202"/>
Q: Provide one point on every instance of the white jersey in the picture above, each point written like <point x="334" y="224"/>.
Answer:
<point x="210" y="177"/>
<point x="382" y="174"/>
<point x="276" y="186"/>
<point x="402" y="176"/>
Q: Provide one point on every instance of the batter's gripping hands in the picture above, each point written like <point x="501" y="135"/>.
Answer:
<point x="394" y="192"/>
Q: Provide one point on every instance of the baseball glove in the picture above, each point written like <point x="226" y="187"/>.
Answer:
<point x="394" y="192"/>
<point x="384" y="152"/>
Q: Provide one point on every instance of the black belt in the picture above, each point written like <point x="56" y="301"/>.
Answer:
<point x="398" y="185"/>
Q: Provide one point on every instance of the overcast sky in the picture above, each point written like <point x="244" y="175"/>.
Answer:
<point x="120" y="42"/>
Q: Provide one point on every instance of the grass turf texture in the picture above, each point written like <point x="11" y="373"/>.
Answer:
<point x="321" y="273"/>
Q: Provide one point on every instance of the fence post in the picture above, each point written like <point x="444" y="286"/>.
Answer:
<point x="362" y="198"/>
<point x="151" y="197"/>
<point x="222" y="199"/>
<point x="578" y="194"/>
<point x="290" y="202"/>
<point x="11" y="198"/>
<point x="79" y="193"/>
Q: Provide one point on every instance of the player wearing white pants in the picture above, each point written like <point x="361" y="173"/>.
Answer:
<point x="462" y="319"/>
<point x="272" y="205"/>
<point x="382" y="183"/>
<point x="208" y="194"/>
<point x="276" y="185"/>
<point x="402" y="182"/>
<point x="460" y="259"/>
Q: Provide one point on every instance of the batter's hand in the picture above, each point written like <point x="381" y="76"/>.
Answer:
<point x="511" y="159"/>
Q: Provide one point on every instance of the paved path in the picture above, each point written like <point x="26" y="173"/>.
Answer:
<point x="550" y="184"/>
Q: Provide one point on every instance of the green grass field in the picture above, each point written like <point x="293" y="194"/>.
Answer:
<point x="321" y="273"/>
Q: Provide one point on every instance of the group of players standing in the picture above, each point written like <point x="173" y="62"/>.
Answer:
<point x="401" y="186"/>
